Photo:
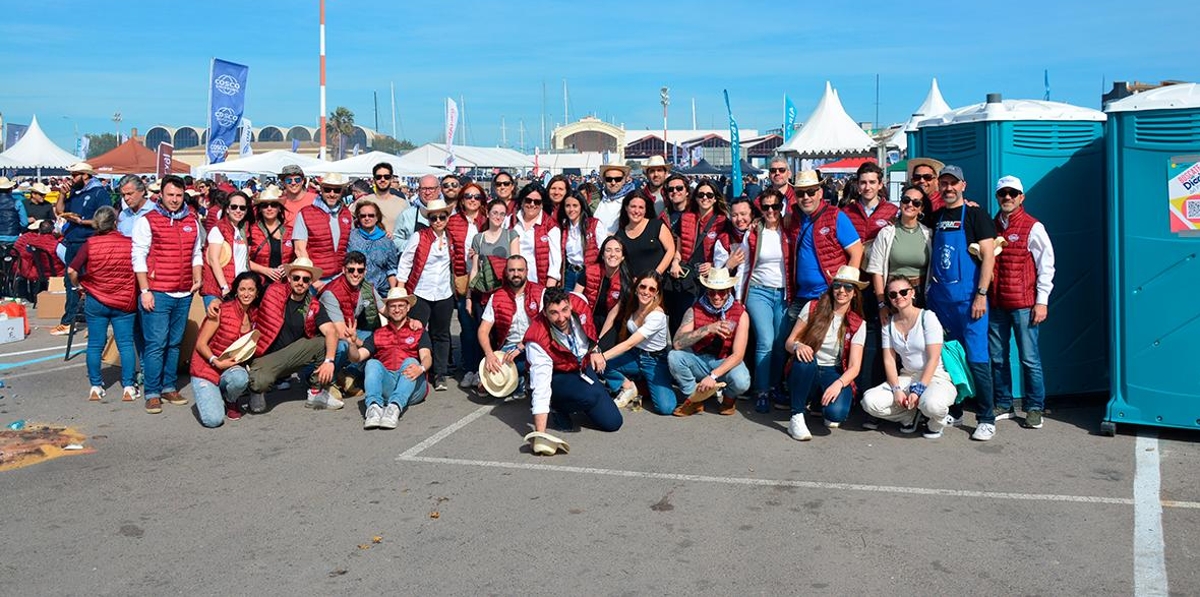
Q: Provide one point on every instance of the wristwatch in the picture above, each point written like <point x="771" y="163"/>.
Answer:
<point x="981" y="291"/>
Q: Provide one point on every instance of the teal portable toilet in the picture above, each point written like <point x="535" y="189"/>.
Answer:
<point x="1057" y="150"/>
<point x="1154" y="235"/>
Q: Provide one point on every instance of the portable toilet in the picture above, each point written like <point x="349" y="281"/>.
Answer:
<point x="1154" y="236"/>
<point x="1057" y="150"/>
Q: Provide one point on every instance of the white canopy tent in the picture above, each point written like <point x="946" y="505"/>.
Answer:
<point x="585" y="162"/>
<point x="361" y="165"/>
<point x="934" y="105"/>
<point x="36" y="150"/>
<point x="435" y="154"/>
<point x="829" y="132"/>
<point x="271" y="162"/>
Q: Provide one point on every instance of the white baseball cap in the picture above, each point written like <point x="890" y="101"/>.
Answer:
<point x="1009" y="182"/>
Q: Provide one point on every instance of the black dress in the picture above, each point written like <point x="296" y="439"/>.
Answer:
<point x="645" y="252"/>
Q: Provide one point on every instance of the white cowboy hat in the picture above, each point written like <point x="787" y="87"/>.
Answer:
<point x="242" y="348"/>
<point x="271" y="194"/>
<point x="7" y="184"/>
<point x="435" y="206"/>
<point x="606" y="167"/>
<point x="545" y="444"/>
<point x="400" y="294"/>
<point x="155" y="187"/>
<point x="656" y="161"/>
<point x="718" y="279"/>
<point x="850" y="274"/>
<point x="973" y="248"/>
<point x="83" y="167"/>
<point x="334" y="179"/>
<point x="35" y="224"/>
<point x="192" y="193"/>
<point x="806" y="179"/>
<point x="501" y="383"/>
<point x="306" y="265"/>
<point x="40" y="189"/>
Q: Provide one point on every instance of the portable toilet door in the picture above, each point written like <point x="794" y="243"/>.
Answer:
<point x="1153" y="141"/>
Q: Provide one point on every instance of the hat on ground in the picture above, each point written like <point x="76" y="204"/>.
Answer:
<point x="305" y="264"/>
<point x="81" y="167"/>
<point x="718" y="279"/>
<point x="40" y="189"/>
<point x="622" y="167"/>
<point x="271" y="194"/>
<point x="954" y="171"/>
<point x="334" y="179"/>
<point x="1010" y="182"/>
<point x="850" y="274"/>
<point x="1000" y="243"/>
<point x="545" y="444"/>
<point x="155" y="187"/>
<point x="6" y="184"/>
<point x="400" y="294"/>
<point x="435" y="206"/>
<point x="242" y="348"/>
<point x="930" y="162"/>
<point x="656" y="161"/>
<point x="807" y="179"/>
<point x="291" y="169"/>
<point x="35" y="224"/>
<point x="503" y="382"/>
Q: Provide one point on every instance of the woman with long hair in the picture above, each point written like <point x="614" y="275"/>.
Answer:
<point x="902" y="249"/>
<point x="696" y="233"/>
<point x="649" y="246"/>
<point x="768" y="265"/>
<point x="827" y="342"/>
<point x="219" y="382"/>
<point x="464" y="225"/>
<point x="489" y="253"/>
<point x="369" y="237"/>
<point x="270" y="243"/>
<point x="642" y="346"/>
<point x="541" y="240"/>
<point x="604" y="282"/>
<point x="228" y="252"/>
<point x="504" y="188"/>
<point x="556" y="191"/>
<point x="729" y="251"/>
<point x="580" y="239"/>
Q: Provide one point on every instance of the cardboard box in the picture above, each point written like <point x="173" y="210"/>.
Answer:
<point x="12" y="330"/>
<point x="56" y="284"/>
<point x="51" y="305"/>
<point x="111" y="356"/>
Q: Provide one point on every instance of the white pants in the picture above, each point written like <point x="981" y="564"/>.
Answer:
<point x="880" y="401"/>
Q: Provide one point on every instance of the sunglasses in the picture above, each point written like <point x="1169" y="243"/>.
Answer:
<point x="808" y="192"/>
<point x="720" y="291"/>
<point x="708" y="195"/>
<point x="772" y="206"/>
<point x="270" y="206"/>
<point x="848" y="287"/>
<point x="924" y="177"/>
<point x="503" y="183"/>
<point x="470" y="196"/>
<point x="612" y="179"/>
<point x="331" y="190"/>
<point x="777" y="170"/>
<point x="894" y="294"/>
<point x="647" y="287"/>
<point x="293" y="179"/>
<point x="236" y="208"/>
<point x="438" y="217"/>
<point x="383" y="177"/>
<point x="532" y="201"/>
<point x="449" y="185"/>
<point x="355" y="270"/>
<point x="913" y="202"/>
<point x="1006" y="193"/>
<point x="367" y="216"/>
<point x="305" y="279"/>
<point x="679" y="189"/>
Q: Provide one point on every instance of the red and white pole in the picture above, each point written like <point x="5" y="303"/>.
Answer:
<point x="323" y="112"/>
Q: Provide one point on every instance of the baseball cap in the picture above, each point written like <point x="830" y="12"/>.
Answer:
<point x="1010" y="182"/>
<point x="954" y="171"/>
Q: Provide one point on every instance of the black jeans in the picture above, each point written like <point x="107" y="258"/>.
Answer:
<point x="436" y="316"/>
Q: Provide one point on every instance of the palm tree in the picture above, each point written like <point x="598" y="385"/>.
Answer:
<point x="340" y="126"/>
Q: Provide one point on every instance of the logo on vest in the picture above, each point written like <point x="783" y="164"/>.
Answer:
<point x="881" y="223"/>
<point x="345" y="219"/>
<point x="287" y="243"/>
<point x="615" y="294"/>
<point x="1014" y="237"/>
<point x="545" y="238"/>
<point x="187" y="228"/>
<point x="583" y="318"/>
<point x="409" y="340"/>
<point x="824" y="230"/>
<point x="712" y="234"/>
<point x="532" y="305"/>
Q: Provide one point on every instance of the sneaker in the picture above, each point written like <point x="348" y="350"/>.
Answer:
<point x="373" y="417"/>
<point x="129" y="394"/>
<point x="258" y="403"/>
<point x="439" y="384"/>
<point x="984" y="432"/>
<point x="321" y="399"/>
<point x="928" y="433"/>
<point x="625" y="396"/>
<point x="391" y="416"/>
<point x="1004" y="413"/>
<point x="953" y="420"/>
<point x="781" y="400"/>
<point x="832" y="424"/>
<point x="762" y="403"/>
<point x="233" y="412"/>
<point x="96" y="395"/>
<point x="174" y="398"/>
<point x="283" y="385"/>
<point x="153" y="406"/>
<point x="871" y="424"/>
<point x="60" y="330"/>
<point x="798" y="429"/>
<point x="1033" y="419"/>
<point x="469" y="380"/>
<point x="911" y="426"/>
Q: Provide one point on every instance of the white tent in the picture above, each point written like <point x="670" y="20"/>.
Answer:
<point x="265" y="163"/>
<point x="362" y="164"/>
<point x="585" y="162"/>
<point x="36" y="150"/>
<point x="434" y="154"/>
<point x="829" y="132"/>
<point x="934" y="105"/>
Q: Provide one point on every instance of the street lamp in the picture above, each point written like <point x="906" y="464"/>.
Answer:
<point x="666" y="101"/>
<point x="117" y="121"/>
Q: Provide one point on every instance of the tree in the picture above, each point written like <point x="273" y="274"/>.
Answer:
<point x="339" y="127"/>
<point x="100" y="144"/>
<point x="387" y="144"/>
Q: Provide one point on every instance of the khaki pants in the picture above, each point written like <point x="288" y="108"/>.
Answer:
<point x="269" y="368"/>
<point x="880" y="401"/>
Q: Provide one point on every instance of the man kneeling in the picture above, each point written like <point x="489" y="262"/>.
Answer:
<point x="710" y="346"/>
<point x="400" y="353"/>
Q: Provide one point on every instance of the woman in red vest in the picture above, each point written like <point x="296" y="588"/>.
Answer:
<point x="695" y="238"/>
<point x="219" y="382"/>
<point x="642" y="345"/>
<point x="426" y="271"/>
<point x="464" y="225"/>
<point x="827" y="341"/>
<point x="227" y="255"/>
<point x="270" y="243"/>
<point x="490" y="250"/>
<point x="556" y="191"/>
<point x="106" y="263"/>
<point x="580" y="239"/>
<point x="604" y="282"/>
<point x="768" y="260"/>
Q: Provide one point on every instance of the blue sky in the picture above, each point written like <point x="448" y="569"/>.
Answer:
<point x="75" y="63"/>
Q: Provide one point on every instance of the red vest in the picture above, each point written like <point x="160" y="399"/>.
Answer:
<point x="1014" y="281"/>
<point x="46" y="242"/>
<point x="393" y="345"/>
<point x="260" y="249"/>
<point x="110" y="270"/>
<point x="425" y="238"/>
<point x="690" y="225"/>
<point x="169" y="263"/>
<point x="830" y="254"/>
<point x="541" y="245"/>
<point x="504" y="306"/>
<point x="701" y="318"/>
<point x="590" y="251"/>
<point x="785" y="239"/>
<point x="320" y="238"/>
<point x="868" y="227"/>
<point x="853" y="322"/>
<point x="212" y="216"/>
<point x="229" y="328"/>
<point x="208" y="283"/>
<point x="593" y="275"/>
<point x="346" y="296"/>
<point x="268" y="320"/>
<point x="539" y="333"/>
<point x="457" y="228"/>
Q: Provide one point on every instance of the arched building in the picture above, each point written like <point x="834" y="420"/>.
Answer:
<point x="590" y="134"/>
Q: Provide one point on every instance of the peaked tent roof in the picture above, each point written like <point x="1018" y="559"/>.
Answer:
<point x="132" y="157"/>
<point x="363" y="164"/>
<point x="265" y="163"/>
<point x="36" y="150"/>
<point x="934" y="105"/>
<point x="829" y="131"/>
<point x="702" y="167"/>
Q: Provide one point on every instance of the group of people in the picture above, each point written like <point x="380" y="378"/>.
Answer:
<point x="666" y="290"/>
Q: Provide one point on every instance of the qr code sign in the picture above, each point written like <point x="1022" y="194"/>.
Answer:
<point x="1192" y="208"/>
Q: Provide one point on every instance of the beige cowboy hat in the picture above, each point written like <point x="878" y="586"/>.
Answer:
<point x="807" y="179"/>
<point x="224" y="254"/>
<point x="40" y="189"/>
<point x="544" y="444"/>
<point x="305" y="264"/>
<point x="242" y="348"/>
<point x="334" y="179"/>
<point x="850" y="274"/>
<point x="718" y="279"/>
<point x="656" y="161"/>
<point x="35" y="224"/>
<point x="622" y="167"/>
<point x="501" y="383"/>
<point x="400" y="294"/>
<point x="6" y="183"/>
<point x="271" y="194"/>
<point x="192" y="193"/>
<point x="435" y="206"/>
<point x="932" y="163"/>
<point x="81" y="167"/>
<point x="973" y="248"/>
<point x="155" y="187"/>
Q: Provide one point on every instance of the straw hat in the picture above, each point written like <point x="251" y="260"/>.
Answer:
<point x="81" y="167"/>
<point x="435" y="206"/>
<point x="192" y="193"/>
<point x="305" y="264"/>
<point x="334" y="179"/>
<point x="6" y="184"/>
<point x="155" y="187"/>
<point x="807" y="179"/>
<point x="400" y="294"/>
<point x="850" y="274"/>
<point x="622" y="167"/>
<point x="545" y="444"/>
<point x="932" y="163"/>
<point x="271" y="194"/>
<point x="718" y="279"/>
<point x="224" y="254"/>
<point x="973" y="248"/>
<point x="35" y="224"/>
<point x="502" y="383"/>
<point x="656" y="161"/>
<point x="40" y="189"/>
<point x="242" y="348"/>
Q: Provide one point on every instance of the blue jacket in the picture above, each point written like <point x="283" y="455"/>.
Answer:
<point x="12" y="217"/>
<point x="85" y="202"/>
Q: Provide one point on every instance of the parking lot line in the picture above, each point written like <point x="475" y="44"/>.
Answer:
<point x="44" y="371"/>
<point x="1149" y="559"/>
<point x="441" y="435"/>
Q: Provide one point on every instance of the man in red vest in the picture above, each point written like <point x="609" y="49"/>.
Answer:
<point x="167" y="264"/>
<point x="780" y="174"/>
<point x="564" y="358"/>
<point x="656" y="170"/>
<point x="710" y="346"/>
<point x="400" y="357"/>
<point x="353" y="306"/>
<point x="321" y="231"/>
<point x="825" y="240"/>
<point x="508" y="315"/>
<point x="296" y="195"/>
<point x="1022" y="280"/>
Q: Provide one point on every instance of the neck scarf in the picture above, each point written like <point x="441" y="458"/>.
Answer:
<point x="625" y="190"/>
<point x="711" y="310"/>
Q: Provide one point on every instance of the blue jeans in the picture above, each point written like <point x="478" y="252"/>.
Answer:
<point x="766" y="307"/>
<point x="1001" y="325"/>
<point x="341" y="357"/>
<point x="570" y="394"/>
<point x="807" y="382"/>
<point x="163" y="328"/>
<point x="98" y="317"/>
<point x="208" y="300"/>
<point x="638" y="364"/>
<point x="211" y="398"/>
<point x="570" y="278"/>
<point x="973" y="334"/>
<point x="686" y="367"/>
<point x="399" y="389"/>
<point x="468" y="339"/>
<point x="72" y="294"/>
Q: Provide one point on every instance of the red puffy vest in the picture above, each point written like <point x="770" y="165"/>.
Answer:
<point x="590" y="251"/>
<point x="169" y="262"/>
<point x="504" y="306"/>
<point x="260" y="249"/>
<point x="830" y="254"/>
<point x="541" y="245"/>
<point x="853" y="322"/>
<point x="46" y="242"/>
<point x="425" y="239"/>
<point x="320" y="238"/>
<point x="268" y="320"/>
<point x="346" y="296"/>
<point x="593" y="276"/>
<point x="208" y="283"/>
<point x="701" y="318"/>
<point x="539" y="333"/>
<point x="110" y="270"/>
<point x="229" y="328"/>
<point x="457" y="228"/>
<point x="394" y="344"/>
<point x="868" y="227"/>
<point x="690" y="226"/>
<point x="1014" y="281"/>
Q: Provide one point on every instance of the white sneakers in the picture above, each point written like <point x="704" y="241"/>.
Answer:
<point x="97" y="394"/>
<point x="984" y="432"/>
<point x="373" y="417"/>
<point x="798" y="429"/>
<point x="378" y="417"/>
<point x="320" y="400"/>
<point x="627" y="394"/>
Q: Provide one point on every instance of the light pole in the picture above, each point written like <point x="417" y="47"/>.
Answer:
<point x="666" y="101"/>
<point x="116" y="118"/>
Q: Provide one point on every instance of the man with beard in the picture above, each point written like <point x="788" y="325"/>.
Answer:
<point x="923" y="172"/>
<point x="322" y="230"/>
<point x="84" y="194"/>
<point x="390" y="202"/>
<point x="779" y="173"/>
<point x="507" y="316"/>
<point x="608" y="209"/>
<point x="296" y="195"/>
<point x="451" y="187"/>
<point x="400" y="357"/>
<point x="825" y="240"/>
<point x="353" y="307"/>
<point x="656" y="170"/>
<point x="36" y="206"/>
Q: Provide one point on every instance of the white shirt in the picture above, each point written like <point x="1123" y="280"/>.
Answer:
<point x="721" y="257"/>
<point x="529" y="240"/>
<point x="831" y="347"/>
<point x="609" y="214"/>
<point x="1043" y="258"/>
<point x="574" y="246"/>
<point x="241" y="254"/>
<point x="435" y="283"/>
<point x="520" y="321"/>
<point x="653" y="330"/>
<point x="142" y="236"/>
<point x="541" y="368"/>
<point x="768" y="266"/>
<point x="911" y="350"/>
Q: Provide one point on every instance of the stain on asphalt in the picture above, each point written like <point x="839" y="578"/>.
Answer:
<point x="814" y="504"/>
<point x="990" y="448"/>
<point x="937" y="565"/>
<point x="1108" y="474"/>
<point x="664" y="505"/>
<point x="131" y="530"/>
<point x="746" y="527"/>
<point x="575" y="511"/>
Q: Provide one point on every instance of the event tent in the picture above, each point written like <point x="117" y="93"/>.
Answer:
<point x="362" y="165"/>
<point x="435" y="154"/>
<point x="36" y="150"/>
<point x="556" y="163"/>
<point x="934" y="105"/>
<point x="829" y="132"/>
<point x="132" y="157"/>
<point x="271" y="162"/>
<point x="702" y="168"/>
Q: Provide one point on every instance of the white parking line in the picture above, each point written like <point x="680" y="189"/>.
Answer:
<point x="44" y="371"/>
<point x="441" y="435"/>
<point x="17" y="354"/>
<point x="1149" y="559"/>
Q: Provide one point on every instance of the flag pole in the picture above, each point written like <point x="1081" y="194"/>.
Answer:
<point x="321" y="154"/>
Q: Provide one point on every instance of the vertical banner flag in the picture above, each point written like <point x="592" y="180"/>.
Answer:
<point x="81" y="148"/>
<point x="295" y="146"/>
<point x="162" y="160"/>
<point x="697" y="155"/>
<point x="226" y="102"/>
<point x="537" y="170"/>
<point x="356" y="149"/>
<point x="451" y="125"/>
<point x="1046" y="82"/>
<point x="735" y="149"/>
<point x="1183" y="193"/>
<point x="247" y="134"/>
<point x="789" y="118"/>
<point x="14" y="133"/>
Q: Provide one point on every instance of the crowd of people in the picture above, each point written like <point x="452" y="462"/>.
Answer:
<point x="585" y="298"/>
